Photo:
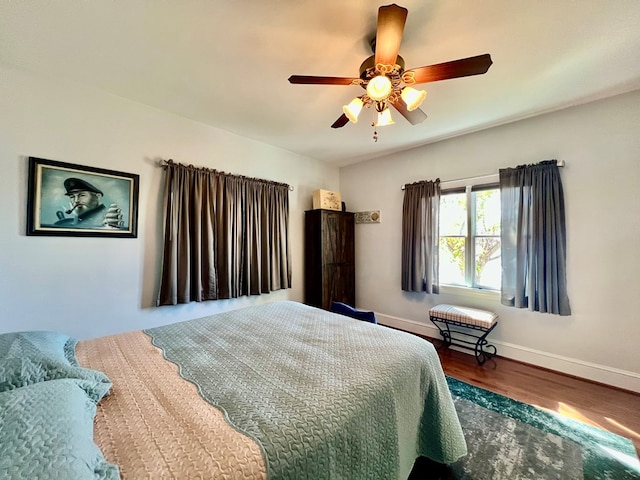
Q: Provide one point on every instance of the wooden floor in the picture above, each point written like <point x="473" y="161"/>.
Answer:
<point x="615" y="410"/>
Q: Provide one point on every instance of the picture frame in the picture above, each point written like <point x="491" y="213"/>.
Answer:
<point x="66" y="199"/>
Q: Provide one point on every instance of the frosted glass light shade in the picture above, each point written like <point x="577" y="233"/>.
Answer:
<point x="384" y="118"/>
<point x="412" y="97"/>
<point x="353" y="109"/>
<point x="379" y="88"/>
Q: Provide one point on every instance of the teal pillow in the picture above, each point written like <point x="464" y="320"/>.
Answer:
<point x="47" y="432"/>
<point x="50" y="344"/>
<point x="32" y="357"/>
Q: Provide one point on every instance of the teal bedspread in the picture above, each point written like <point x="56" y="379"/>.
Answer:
<point x="325" y="396"/>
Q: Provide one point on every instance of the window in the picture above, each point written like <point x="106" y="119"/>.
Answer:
<point x="469" y="242"/>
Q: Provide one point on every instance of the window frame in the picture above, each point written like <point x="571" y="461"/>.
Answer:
<point x="468" y="186"/>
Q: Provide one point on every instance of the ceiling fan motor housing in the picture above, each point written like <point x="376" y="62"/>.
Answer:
<point x="368" y="68"/>
<point x="368" y="71"/>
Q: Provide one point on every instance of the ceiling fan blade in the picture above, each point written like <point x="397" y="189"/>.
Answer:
<point x="340" y="122"/>
<point x="414" y="117"/>
<point x="311" y="80"/>
<point x="456" y="68"/>
<point x="391" y="20"/>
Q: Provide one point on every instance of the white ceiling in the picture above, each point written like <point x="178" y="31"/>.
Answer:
<point x="226" y="63"/>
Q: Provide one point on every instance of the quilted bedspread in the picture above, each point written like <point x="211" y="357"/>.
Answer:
<point x="154" y="425"/>
<point x="323" y="395"/>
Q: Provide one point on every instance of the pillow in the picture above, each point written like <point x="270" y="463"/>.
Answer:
<point x="47" y="432"/>
<point x="24" y="343"/>
<point x="31" y="357"/>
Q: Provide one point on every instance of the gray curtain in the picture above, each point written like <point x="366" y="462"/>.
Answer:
<point x="225" y="236"/>
<point x="534" y="273"/>
<point x="420" y="237"/>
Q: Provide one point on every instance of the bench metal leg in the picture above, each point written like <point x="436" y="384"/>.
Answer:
<point x="445" y="333"/>
<point x="481" y="348"/>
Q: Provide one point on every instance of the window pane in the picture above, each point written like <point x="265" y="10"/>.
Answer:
<point x="452" y="255"/>
<point x="487" y="212"/>
<point x="488" y="267"/>
<point x="453" y="214"/>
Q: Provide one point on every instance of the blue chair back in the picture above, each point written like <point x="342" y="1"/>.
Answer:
<point x="344" y="309"/>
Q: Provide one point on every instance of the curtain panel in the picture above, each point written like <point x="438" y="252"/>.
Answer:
<point x="420" y="226"/>
<point x="225" y="236"/>
<point x="534" y="273"/>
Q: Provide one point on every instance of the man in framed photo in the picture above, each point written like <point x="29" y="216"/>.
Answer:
<point x="87" y="208"/>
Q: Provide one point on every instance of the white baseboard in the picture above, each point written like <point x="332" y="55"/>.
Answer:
<point x="571" y="366"/>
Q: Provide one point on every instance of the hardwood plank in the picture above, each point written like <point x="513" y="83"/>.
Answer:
<point x="606" y="407"/>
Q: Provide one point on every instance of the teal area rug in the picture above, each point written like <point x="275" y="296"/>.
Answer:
<point x="511" y="440"/>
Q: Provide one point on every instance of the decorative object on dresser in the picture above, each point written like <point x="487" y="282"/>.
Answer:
<point x="327" y="200"/>
<point x="329" y="258"/>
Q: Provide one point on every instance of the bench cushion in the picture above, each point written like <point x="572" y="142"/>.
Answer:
<point x="469" y="316"/>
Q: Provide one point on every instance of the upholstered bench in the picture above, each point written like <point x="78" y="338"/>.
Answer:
<point x="458" y="326"/>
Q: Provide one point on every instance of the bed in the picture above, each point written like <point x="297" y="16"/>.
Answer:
<point x="275" y="391"/>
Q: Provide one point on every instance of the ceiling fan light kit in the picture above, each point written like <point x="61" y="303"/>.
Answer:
<point x="379" y="88"/>
<point x="353" y="109"/>
<point x="384" y="118"/>
<point x="412" y="97"/>
<point x="385" y="79"/>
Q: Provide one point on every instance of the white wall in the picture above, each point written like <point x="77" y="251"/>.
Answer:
<point x="89" y="287"/>
<point x="600" y="143"/>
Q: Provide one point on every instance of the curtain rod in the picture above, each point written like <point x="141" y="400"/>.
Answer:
<point x="560" y="163"/>
<point x="164" y="163"/>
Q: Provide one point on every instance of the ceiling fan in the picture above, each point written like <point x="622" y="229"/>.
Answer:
<point x="386" y="81"/>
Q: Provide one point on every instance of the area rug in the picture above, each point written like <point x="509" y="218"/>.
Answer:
<point x="511" y="440"/>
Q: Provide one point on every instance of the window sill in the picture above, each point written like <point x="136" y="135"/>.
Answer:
<point x="471" y="292"/>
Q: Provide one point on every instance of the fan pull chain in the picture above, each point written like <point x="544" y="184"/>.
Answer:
<point x="375" y="132"/>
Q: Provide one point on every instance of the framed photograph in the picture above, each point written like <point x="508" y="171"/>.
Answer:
<point x="65" y="199"/>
